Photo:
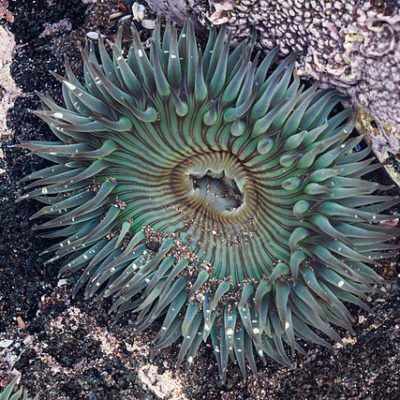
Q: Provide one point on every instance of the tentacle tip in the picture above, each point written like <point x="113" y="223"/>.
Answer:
<point x="50" y="261"/>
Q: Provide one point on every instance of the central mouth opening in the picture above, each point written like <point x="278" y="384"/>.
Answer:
<point x="217" y="189"/>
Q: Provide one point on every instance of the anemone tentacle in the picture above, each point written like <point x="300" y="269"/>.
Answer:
<point x="215" y="191"/>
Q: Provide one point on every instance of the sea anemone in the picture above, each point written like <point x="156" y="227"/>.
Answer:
<point x="211" y="192"/>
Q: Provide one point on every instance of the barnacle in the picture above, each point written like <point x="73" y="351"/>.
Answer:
<point x="213" y="192"/>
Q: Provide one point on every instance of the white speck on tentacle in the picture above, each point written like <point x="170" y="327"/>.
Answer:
<point x="69" y="85"/>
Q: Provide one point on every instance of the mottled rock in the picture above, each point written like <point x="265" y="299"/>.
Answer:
<point x="378" y="136"/>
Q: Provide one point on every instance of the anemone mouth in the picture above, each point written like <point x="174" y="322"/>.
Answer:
<point x="216" y="190"/>
<point x="206" y="190"/>
<point x="216" y="185"/>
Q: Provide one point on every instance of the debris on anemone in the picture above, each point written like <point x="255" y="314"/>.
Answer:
<point x="213" y="192"/>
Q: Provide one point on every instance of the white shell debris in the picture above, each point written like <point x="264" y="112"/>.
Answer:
<point x="220" y="17"/>
<point x="94" y="35"/>
<point x="138" y="11"/>
<point x="148" y="24"/>
<point x="62" y="282"/>
<point x="116" y="15"/>
<point x="5" y="343"/>
<point x="11" y="91"/>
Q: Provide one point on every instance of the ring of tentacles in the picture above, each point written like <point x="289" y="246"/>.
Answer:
<point x="211" y="191"/>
